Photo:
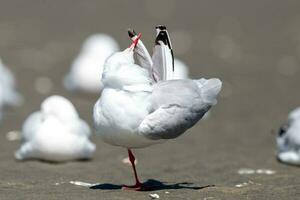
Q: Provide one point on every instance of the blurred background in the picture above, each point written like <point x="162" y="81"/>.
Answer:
<point x="252" y="46"/>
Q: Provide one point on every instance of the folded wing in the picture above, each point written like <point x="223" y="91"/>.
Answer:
<point x="177" y="105"/>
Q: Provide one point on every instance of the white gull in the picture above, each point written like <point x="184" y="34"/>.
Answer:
<point x="86" y="70"/>
<point x="8" y="94"/>
<point x="141" y="105"/>
<point x="55" y="133"/>
<point x="288" y="139"/>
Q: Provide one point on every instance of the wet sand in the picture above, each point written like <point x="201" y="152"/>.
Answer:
<point x="253" y="47"/>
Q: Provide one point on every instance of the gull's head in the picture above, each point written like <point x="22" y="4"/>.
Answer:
<point x="281" y="139"/>
<point x="288" y="138"/>
<point x="120" y="69"/>
<point x="288" y="142"/>
<point x="123" y="57"/>
<point x="59" y="107"/>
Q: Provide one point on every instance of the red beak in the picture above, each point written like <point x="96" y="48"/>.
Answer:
<point x="135" y="41"/>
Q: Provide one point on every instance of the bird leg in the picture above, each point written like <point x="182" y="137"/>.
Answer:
<point x="138" y="185"/>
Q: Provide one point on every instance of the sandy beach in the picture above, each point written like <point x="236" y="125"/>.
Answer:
<point x="252" y="46"/>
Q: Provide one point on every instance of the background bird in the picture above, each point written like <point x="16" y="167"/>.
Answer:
<point x="288" y="139"/>
<point x="55" y="133"/>
<point x="8" y="94"/>
<point x="141" y="104"/>
<point x="86" y="70"/>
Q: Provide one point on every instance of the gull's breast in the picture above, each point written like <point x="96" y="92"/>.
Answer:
<point x="117" y="116"/>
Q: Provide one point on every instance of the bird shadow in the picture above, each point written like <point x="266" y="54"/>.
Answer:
<point x="153" y="185"/>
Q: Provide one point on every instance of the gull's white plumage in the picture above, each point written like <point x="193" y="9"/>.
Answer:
<point x="141" y="104"/>
<point x="86" y="70"/>
<point x="288" y="140"/>
<point x="8" y="93"/>
<point x="181" y="70"/>
<point x="294" y="115"/>
<point x="55" y="133"/>
<point x="136" y="110"/>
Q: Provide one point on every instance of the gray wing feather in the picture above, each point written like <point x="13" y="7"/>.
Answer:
<point x="176" y="106"/>
<point x="170" y="121"/>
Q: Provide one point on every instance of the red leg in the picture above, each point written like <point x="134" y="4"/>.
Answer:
<point x="138" y="185"/>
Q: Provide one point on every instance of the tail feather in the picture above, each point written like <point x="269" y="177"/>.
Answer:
<point x="210" y="90"/>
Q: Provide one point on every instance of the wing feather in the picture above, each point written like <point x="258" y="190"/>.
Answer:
<point x="177" y="105"/>
<point x="163" y="57"/>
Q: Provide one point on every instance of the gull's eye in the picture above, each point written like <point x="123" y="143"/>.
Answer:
<point x="282" y="130"/>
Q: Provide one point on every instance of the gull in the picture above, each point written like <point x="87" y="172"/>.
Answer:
<point x="8" y="93"/>
<point x="288" y="140"/>
<point x="86" y="69"/>
<point x="55" y="133"/>
<point x="141" y="104"/>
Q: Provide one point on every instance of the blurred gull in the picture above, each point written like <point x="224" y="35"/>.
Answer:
<point x="288" y="139"/>
<point x="8" y="93"/>
<point x="55" y="133"/>
<point x="141" y="105"/>
<point x="86" y="70"/>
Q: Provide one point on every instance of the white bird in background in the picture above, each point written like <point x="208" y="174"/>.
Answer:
<point x="8" y="94"/>
<point x="288" y="140"/>
<point x="55" y="133"/>
<point x="86" y="70"/>
<point x="141" y="106"/>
